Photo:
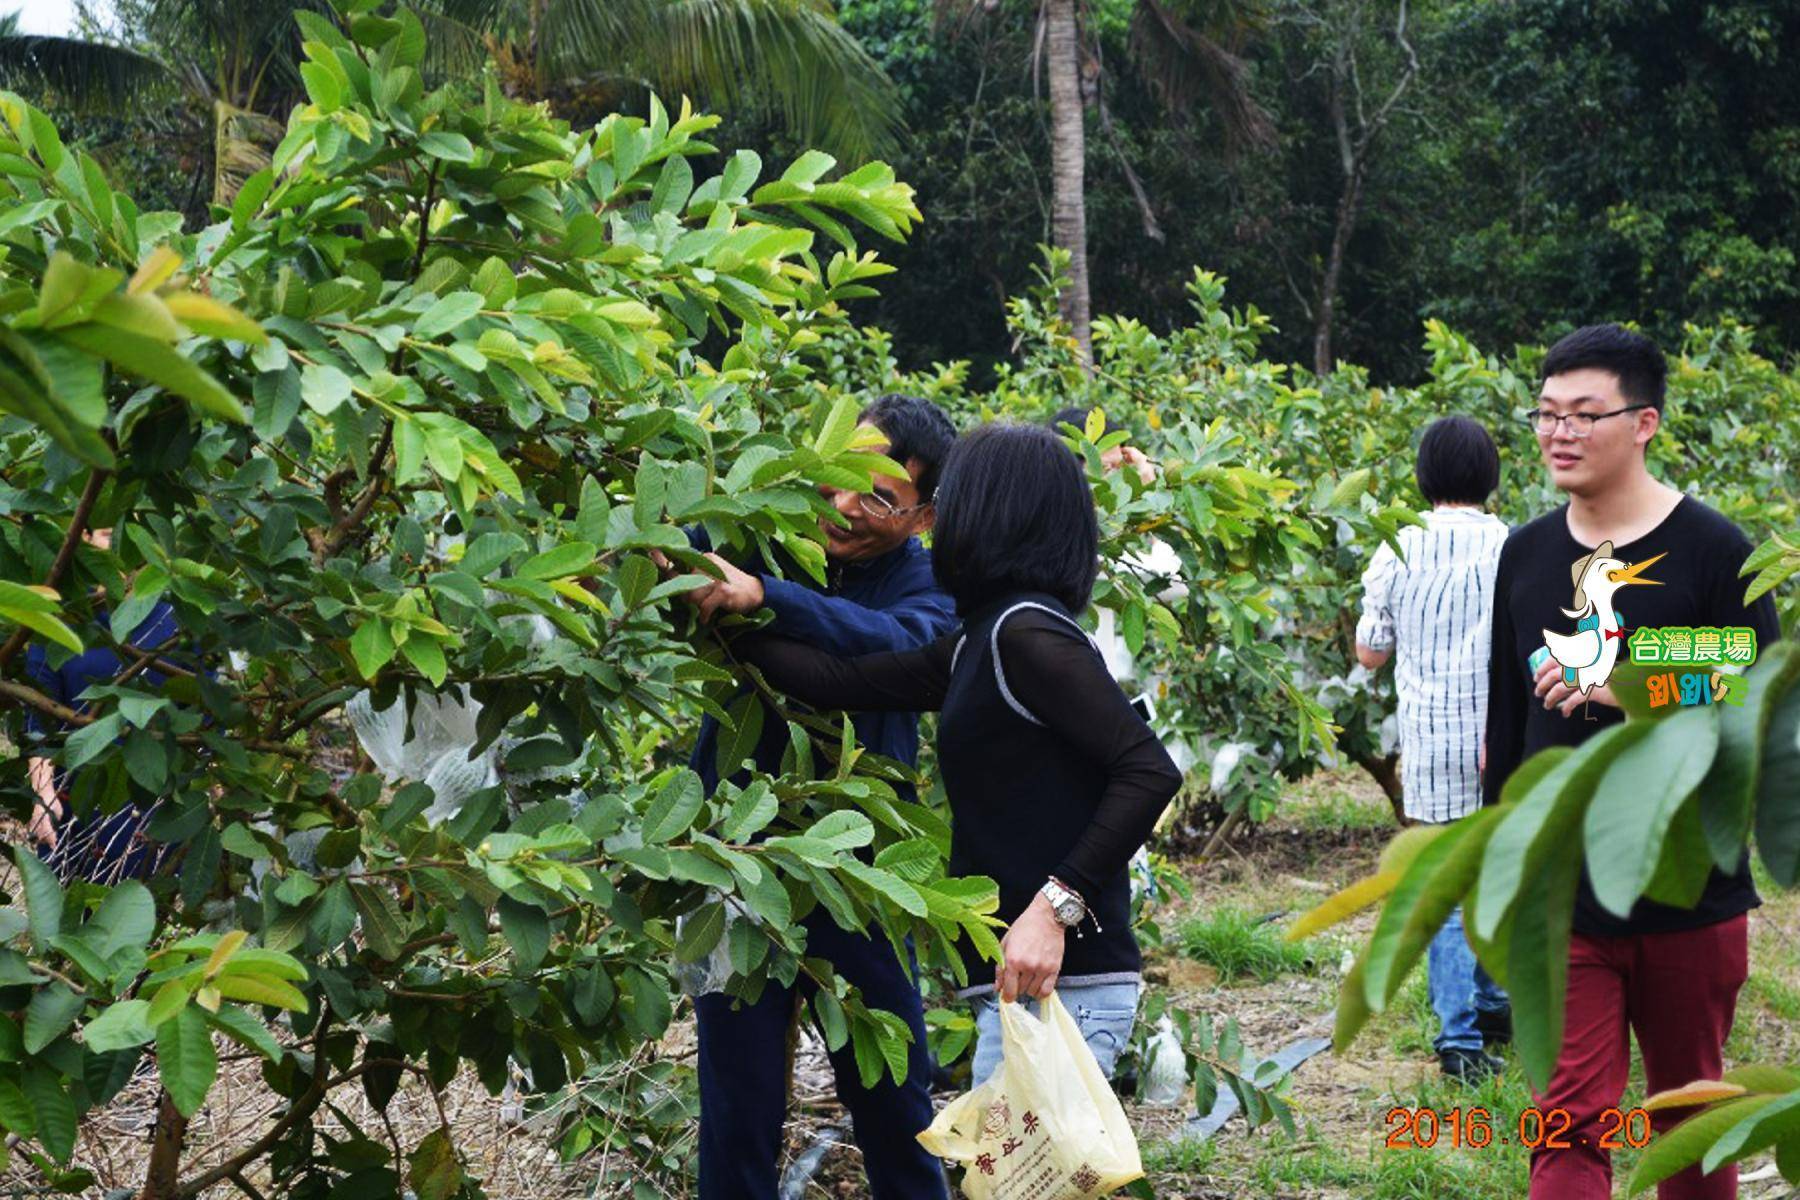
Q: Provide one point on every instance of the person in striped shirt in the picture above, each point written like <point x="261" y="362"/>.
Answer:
<point x="1430" y="611"/>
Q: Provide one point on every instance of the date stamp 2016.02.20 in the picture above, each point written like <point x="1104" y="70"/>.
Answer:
<point x="1536" y="1128"/>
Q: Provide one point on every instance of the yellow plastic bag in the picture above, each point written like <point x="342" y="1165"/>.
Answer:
<point x="1046" y="1125"/>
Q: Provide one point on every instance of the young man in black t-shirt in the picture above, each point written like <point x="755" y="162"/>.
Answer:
<point x="1672" y="975"/>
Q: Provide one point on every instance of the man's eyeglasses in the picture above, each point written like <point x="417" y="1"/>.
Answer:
<point x="882" y="509"/>
<point x="1581" y="424"/>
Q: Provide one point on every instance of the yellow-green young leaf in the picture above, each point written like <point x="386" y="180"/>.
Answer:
<point x="1355" y="484"/>
<point x="1405" y="846"/>
<point x="1430" y="888"/>
<point x="256" y="960"/>
<point x="185" y="1059"/>
<point x="158" y="267"/>
<point x="71" y="289"/>
<point x="1684" y="1145"/>
<point x="159" y="364"/>
<point x="260" y="989"/>
<point x="170" y="999"/>
<point x="1353" y="1010"/>
<point x="1340" y="905"/>
<point x="226" y="947"/>
<point x="1762" y="1077"/>
<point x="146" y="315"/>
<point x="1689" y="1095"/>
<point x="203" y="314"/>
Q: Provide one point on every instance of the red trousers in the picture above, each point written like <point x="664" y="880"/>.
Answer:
<point x="1677" y="992"/>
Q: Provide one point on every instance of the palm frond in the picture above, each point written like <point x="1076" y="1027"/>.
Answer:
<point x="1187" y="67"/>
<point x="79" y="72"/>
<point x="789" y="59"/>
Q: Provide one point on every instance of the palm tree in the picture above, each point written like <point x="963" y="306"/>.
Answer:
<point x="785" y="59"/>
<point x="1190" y="53"/>
<point x="237" y="59"/>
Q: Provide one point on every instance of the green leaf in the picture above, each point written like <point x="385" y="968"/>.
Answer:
<point x="1635" y="802"/>
<point x="372" y="646"/>
<point x="1778" y="792"/>
<point x="245" y="1030"/>
<point x="1684" y="1145"/>
<point x="154" y="362"/>
<point x="1537" y="960"/>
<point x="840" y="426"/>
<point x="433" y="1169"/>
<point x="382" y="925"/>
<point x="43" y="896"/>
<point x="323" y="387"/>
<point x="570" y="558"/>
<point x="123" y="1025"/>
<point x="526" y="928"/>
<point x="750" y="813"/>
<point x="1731" y="785"/>
<point x="51" y="1011"/>
<point x="446" y="314"/>
<point x="738" y="739"/>
<point x="427" y="654"/>
<point x="1755" y="1133"/>
<point x="673" y="810"/>
<point x="185" y="1059"/>
<point x="54" y="1102"/>
<point x="451" y="147"/>
<point x="700" y="933"/>
<point x="846" y="829"/>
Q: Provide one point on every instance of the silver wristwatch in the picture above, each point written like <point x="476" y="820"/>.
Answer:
<point x="1068" y="908"/>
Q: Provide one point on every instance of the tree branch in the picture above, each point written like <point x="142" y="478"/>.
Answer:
<point x="64" y="556"/>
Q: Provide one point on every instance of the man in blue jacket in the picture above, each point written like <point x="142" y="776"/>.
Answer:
<point x="880" y="596"/>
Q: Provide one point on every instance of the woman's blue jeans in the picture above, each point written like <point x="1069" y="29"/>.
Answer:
<point x="1104" y="1012"/>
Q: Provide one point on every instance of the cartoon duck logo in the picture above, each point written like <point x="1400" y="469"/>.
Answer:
<point x="1588" y="656"/>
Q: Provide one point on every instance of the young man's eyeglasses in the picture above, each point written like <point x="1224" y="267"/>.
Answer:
<point x="883" y="509"/>
<point x="1581" y="424"/>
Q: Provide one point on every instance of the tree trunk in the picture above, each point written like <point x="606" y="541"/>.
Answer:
<point x="1068" y="201"/>
<point x="1385" y="771"/>
<point x="1348" y="203"/>
<point x="162" y="1177"/>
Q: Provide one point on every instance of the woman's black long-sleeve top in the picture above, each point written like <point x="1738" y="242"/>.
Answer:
<point x="1047" y="767"/>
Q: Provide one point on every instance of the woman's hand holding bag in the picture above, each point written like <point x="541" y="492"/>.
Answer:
<point x="1046" y="1125"/>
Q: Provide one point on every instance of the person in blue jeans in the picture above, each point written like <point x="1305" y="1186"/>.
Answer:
<point x="1431" y="612"/>
<point x="881" y="596"/>
<point x="92" y="845"/>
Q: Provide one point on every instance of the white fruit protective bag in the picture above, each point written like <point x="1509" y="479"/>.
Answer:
<point x="1045" y="1125"/>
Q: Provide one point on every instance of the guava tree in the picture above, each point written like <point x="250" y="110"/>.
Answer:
<point x="403" y="426"/>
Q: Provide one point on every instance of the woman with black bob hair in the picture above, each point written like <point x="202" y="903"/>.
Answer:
<point x="1053" y="779"/>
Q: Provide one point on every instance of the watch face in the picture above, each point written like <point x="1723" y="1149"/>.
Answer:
<point x="1068" y="912"/>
